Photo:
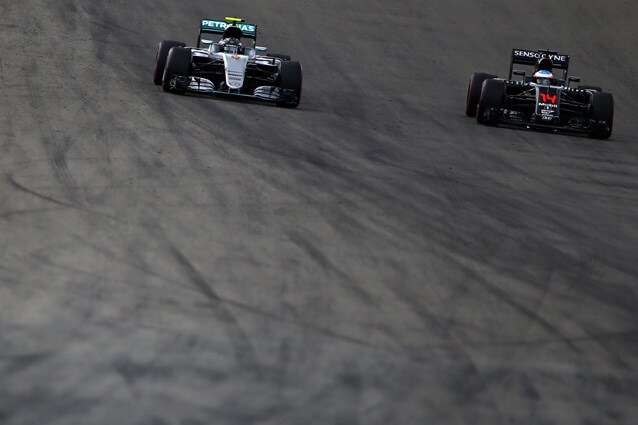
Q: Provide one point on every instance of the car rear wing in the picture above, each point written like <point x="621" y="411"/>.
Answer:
<point x="212" y="26"/>
<point x="530" y="57"/>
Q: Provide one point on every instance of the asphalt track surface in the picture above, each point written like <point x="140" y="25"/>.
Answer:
<point x="373" y="257"/>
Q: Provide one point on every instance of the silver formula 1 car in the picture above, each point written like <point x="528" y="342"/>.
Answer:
<point x="541" y="100"/>
<point x="230" y="66"/>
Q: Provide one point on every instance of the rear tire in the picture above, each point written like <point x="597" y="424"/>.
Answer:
<point x="290" y="77"/>
<point x="160" y="58"/>
<point x="178" y="63"/>
<point x="601" y="108"/>
<point x="492" y="96"/>
<point x="474" y="92"/>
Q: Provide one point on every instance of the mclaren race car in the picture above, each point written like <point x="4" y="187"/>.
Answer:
<point x="230" y="66"/>
<point x="540" y="100"/>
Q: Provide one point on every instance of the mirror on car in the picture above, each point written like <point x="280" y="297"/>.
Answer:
<point x="573" y="80"/>
<point x="519" y="72"/>
<point x="261" y="48"/>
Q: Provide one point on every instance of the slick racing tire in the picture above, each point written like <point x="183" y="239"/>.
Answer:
<point x="601" y="108"/>
<point x="160" y="58"/>
<point x="290" y="77"/>
<point x="279" y="56"/>
<point x="177" y="63"/>
<point x="492" y="96"/>
<point x="474" y="92"/>
<point x="586" y="87"/>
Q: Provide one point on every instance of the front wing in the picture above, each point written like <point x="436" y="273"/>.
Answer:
<point x="515" y="118"/>
<point x="204" y="86"/>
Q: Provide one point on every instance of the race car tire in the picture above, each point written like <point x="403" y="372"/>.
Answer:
<point x="290" y="77"/>
<point x="474" y="92"/>
<point x="279" y="56"/>
<point x="160" y="58"/>
<point x="178" y="63"/>
<point x="586" y="87"/>
<point x="492" y="96"/>
<point x="601" y="108"/>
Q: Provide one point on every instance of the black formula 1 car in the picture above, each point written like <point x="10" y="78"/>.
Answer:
<point x="540" y="103"/>
<point x="228" y="67"/>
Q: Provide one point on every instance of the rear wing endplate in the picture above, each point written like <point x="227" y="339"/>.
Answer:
<point x="530" y="57"/>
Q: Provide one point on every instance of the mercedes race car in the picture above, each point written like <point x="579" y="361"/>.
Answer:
<point x="540" y="100"/>
<point x="228" y="67"/>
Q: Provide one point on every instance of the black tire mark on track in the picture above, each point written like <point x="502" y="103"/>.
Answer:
<point x="18" y="186"/>
<point x="245" y="354"/>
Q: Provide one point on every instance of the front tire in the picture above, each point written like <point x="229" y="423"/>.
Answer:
<point x="474" y="92"/>
<point x="160" y="58"/>
<point x="601" y="108"/>
<point x="290" y="77"/>
<point x="279" y="56"/>
<point x="587" y="87"/>
<point x="492" y="96"/>
<point x="178" y="63"/>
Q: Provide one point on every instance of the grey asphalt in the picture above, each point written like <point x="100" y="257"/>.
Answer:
<point x="372" y="257"/>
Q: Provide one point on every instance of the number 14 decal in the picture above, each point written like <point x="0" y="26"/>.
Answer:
<point x="548" y="98"/>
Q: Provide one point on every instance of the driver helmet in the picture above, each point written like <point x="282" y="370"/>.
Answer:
<point x="545" y="62"/>
<point x="544" y="77"/>
<point x="230" y="45"/>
